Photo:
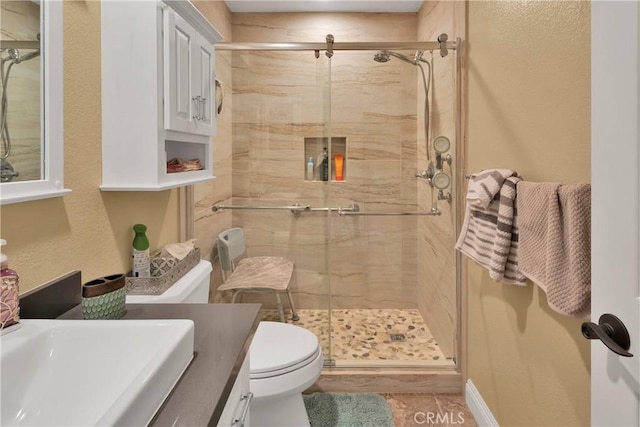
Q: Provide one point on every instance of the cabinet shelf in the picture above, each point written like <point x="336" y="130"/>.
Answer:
<point x="172" y="180"/>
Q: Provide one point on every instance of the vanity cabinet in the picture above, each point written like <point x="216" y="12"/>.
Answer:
<point x="157" y="94"/>
<point x="237" y="409"/>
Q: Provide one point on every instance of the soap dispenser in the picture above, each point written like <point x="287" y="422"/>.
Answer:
<point x="9" y="303"/>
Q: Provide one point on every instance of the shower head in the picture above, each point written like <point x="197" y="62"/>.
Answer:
<point x="16" y="58"/>
<point x="29" y="56"/>
<point x="385" y="56"/>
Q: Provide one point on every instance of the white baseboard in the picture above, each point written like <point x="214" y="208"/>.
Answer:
<point x="478" y="408"/>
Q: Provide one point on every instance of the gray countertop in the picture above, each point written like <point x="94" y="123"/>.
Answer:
<point x="223" y="333"/>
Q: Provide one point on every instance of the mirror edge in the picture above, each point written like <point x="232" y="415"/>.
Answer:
<point x="52" y="94"/>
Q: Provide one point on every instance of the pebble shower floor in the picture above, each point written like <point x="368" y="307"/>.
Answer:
<point x="371" y="335"/>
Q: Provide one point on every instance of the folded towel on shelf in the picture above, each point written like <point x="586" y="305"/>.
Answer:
<point x="489" y="233"/>
<point x="555" y="243"/>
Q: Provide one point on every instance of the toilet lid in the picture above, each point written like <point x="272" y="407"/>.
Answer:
<point x="278" y="348"/>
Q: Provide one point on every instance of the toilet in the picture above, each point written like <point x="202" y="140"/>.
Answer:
<point x="284" y="359"/>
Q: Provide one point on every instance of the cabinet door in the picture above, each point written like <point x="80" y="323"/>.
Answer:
<point x="204" y="63"/>
<point x="236" y="411"/>
<point x="181" y="108"/>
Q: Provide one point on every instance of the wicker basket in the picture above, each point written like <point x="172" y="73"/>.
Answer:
<point x="158" y="285"/>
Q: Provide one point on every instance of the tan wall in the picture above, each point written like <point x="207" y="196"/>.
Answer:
<point x="436" y="285"/>
<point x="20" y="20"/>
<point x="87" y="230"/>
<point x="282" y="98"/>
<point x="529" y="110"/>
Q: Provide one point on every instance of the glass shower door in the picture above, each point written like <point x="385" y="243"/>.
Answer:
<point x="281" y="107"/>
<point x="387" y="271"/>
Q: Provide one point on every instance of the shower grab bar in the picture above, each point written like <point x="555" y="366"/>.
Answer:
<point x="295" y="209"/>
<point x="292" y="208"/>
<point x="433" y="212"/>
<point x="353" y="207"/>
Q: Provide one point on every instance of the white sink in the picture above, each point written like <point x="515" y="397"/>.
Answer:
<point x="90" y="372"/>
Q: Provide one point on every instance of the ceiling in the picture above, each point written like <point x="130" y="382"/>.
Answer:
<point x="392" y="6"/>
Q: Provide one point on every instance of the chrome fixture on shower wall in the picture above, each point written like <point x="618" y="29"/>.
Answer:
<point x="442" y="40"/>
<point x="434" y="174"/>
<point x="441" y="180"/>
<point x="7" y="172"/>
<point x="441" y="145"/>
<point x="330" y="39"/>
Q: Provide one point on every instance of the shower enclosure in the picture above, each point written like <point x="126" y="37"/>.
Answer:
<point x="333" y="166"/>
<point x="20" y="99"/>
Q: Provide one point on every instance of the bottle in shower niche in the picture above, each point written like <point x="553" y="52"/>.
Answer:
<point x="141" y="258"/>
<point x="310" y="169"/>
<point x="324" y="166"/>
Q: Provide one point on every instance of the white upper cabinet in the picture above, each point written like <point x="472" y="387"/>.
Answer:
<point x="188" y="91"/>
<point x="157" y="94"/>
<point x="205" y="64"/>
<point x="180" y="108"/>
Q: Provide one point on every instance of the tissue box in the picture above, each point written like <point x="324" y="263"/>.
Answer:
<point x="159" y="284"/>
<point x="161" y="266"/>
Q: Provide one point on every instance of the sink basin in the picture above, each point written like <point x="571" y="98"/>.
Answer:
<point x="90" y="372"/>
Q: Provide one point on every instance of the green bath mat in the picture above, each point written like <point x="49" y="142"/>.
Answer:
<point x="348" y="410"/>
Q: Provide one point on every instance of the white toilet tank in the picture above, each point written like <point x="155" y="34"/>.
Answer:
<point x="193" y="287"/>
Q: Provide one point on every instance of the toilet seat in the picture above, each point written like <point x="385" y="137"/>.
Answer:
<point x="282" y="371"/>
<point x="280" y="348"/>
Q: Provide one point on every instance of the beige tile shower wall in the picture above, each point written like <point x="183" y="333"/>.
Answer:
<point x="281" y="98"/>
<point x="207" y="224"/>
<point x="436" y="287"/>
<point x="20" y="20"/>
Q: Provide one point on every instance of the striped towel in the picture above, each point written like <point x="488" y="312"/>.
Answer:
<point x="555" y="252"/>
<point x="484" y="186"/>
<point x="489" y="233"/>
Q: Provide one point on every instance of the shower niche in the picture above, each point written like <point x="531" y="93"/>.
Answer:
<point x="334" y="149"/>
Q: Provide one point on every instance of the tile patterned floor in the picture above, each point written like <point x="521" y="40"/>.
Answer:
<point x="445" y="410"/>
<point x="366" y="335"/>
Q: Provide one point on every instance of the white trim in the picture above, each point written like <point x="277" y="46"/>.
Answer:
<point x="478" y="407"/>
<point x="187" y="10"/>
<point x="52" y="133"/>
<point x="615" y="206"/>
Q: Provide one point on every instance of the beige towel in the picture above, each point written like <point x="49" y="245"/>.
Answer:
<point x="555" y="243"/>
<point x="489" y="234"/>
